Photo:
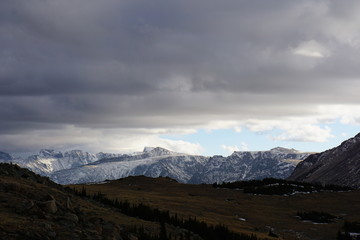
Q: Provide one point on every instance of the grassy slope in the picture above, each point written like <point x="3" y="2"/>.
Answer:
<point x="16" y="220"/>
<point x="227" y="206"/>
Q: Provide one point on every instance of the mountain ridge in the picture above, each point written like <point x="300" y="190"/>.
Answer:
<point x="76" y="166"/>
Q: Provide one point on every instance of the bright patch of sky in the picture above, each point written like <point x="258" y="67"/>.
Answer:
<point x="225" y="141"/>
<point x="311" y="49"/>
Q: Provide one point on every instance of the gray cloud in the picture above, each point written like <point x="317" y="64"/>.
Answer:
<point x="169" y="64"/>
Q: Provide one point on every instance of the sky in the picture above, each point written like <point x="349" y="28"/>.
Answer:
<point x="201" y="77"/>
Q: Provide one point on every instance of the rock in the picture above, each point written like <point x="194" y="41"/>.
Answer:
<point x="111" y="231"/>
<point x="68" y="203"/>
<point x="132" y="237"/>
<point x="69" y="220"/>
<point x="71" y="217"/>
<point x="51" y="234"/>
<point x="49" y="205"/>
<point x="28" y="205"/>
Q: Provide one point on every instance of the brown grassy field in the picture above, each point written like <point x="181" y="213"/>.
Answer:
<point x="241" y="212"/>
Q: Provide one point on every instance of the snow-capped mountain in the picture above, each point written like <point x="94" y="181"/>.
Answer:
<point x="155" y="162"/>
<point x="276" y="163"/>
<point x="48" y="161"/>
<point x="152" y="162"/>
<point x="80" y="167"/>
<point x="339" y="165"/>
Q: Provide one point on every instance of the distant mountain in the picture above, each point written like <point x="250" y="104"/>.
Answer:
<point x="276" y="163"/>
<point x="155" y="162"/>
<point x="152" y="162"/>
<point x="77" y="166"/>
<point x="339" y="165"/>
<point x="48" y="161"/>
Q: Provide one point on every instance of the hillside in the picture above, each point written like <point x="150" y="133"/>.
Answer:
<point x="339" y="165"/>
<point x="33" y="207"/>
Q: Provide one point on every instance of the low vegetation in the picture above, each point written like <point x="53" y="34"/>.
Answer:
<point x="272" y="186"/>
<point x="317" y="217"/>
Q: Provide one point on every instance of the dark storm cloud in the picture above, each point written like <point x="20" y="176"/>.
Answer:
<point x="143" y="64"/>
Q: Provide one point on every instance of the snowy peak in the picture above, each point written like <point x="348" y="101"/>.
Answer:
<point x="148" y="149"/>
<point x="49" y="153"/>
<point x="80" y="155"/>
<point x="102" y="155"/>
<point x="278" y="153"/>
<point x="49" y="160"/>
<point x="284" y="150"/>
<point x="157" y="151"/>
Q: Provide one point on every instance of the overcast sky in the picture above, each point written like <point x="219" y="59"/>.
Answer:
<point x="120" y="75"/>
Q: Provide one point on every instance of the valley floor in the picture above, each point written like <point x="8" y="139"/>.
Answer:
<point x="245" y="213"/>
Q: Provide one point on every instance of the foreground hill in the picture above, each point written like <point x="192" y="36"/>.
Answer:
<point x="34" y="208"/>
<point x="340" y="165"/>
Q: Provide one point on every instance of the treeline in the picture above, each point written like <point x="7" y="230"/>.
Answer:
<point x="272" y="186"/>
<point x="351" y="231"/>
<point x="317" y="217"/>
<point x="145" y="212"/>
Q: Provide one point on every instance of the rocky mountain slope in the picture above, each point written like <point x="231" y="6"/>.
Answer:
<point x="80" y="167"/>
<point x="339" y="165"/>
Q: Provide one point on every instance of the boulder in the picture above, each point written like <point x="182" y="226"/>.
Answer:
<point x="48" y="204"/>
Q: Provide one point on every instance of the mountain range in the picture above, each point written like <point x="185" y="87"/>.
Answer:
<point x="77" y="166"/>
<point x="339" y="165"/>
